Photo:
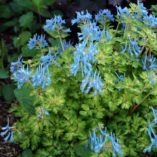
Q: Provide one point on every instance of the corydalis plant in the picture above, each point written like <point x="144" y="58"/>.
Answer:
<point x="99" y="143"/>
<point x="66" y="110"/>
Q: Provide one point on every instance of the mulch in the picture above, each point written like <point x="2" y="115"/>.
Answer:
<point x="7" y="149"/>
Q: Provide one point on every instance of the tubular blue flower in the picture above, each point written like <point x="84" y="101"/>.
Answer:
<point x="90" y="31"/>
<point x="135" y="48"/>
<point x="54" y="23"/>
<point x="83" y="59"/>
<point x="38" y="41"/>
<point x="116" y="147"/>
<point x="120" y="77"/>
<point x="142" y="8"/>
<point x="49" y="59"/>
<point x="122" y="11"/>
<point x="149" y="63"/>
<point x="152" y="136"/>
<point x="96" y="143"/>
<point x="16" y="65"/>
<point x="42" y="77"/>
<point x="106" y="35"/>
<point x="85" y="82"/>
<point x="82" y="17"/>
<point x="66" y="44"/>
<point x="102" y="14"/>
<point x="150" y="21"/>
<point x="7" y="133"/>
<point x="21" y="76"/>
<point x="42" y="112"/>
<point x="95" y="83"/>
<point x="154" y="114"/>
<point x="132" y="47"/>
<point x="152" y="78"/>
<point x="78" y="57"/>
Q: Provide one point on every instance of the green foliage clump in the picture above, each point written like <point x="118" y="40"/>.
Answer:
<point x="57" y="121"/>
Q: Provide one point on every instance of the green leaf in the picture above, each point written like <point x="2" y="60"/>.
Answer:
<point x="24" y="98"/>
<point x="8" y="92"/>
<point x="26" y="20"/>
<point x="82" y="151"/>
<point x="3" y="74"/>
<point x="38" y="3"/>
<point x="19" y="6"/>
<point x="27" y="153"/>
<point x="5" y="11"/>
<point x="22" y="39"/>
<point x="26" y="52"/>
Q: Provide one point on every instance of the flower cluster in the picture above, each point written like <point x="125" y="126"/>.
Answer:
<point x="97" y="143"/>
<point x="38" y="41"/>
<point x="102" y="14"/>
<point x="82" y="17"/>
<point x="132" y="47"/>
<point x="54" y="23"/>
<point x="151" y="133"/>
<point x="149" y="63"/>
<point x="7" y="133"/>
<point x="90" y="31"/>
<point x="16" y="65"/>
<point x="83" y="58"/>
<point x="147" y="18"/>
<point x="121" y="12"/>
<point x="42" y="77"/>
<point x="21" y="76"/>
<point x="92" y="81"/>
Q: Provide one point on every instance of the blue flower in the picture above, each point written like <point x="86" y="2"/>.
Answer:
<point x="82" y="17"/>
<point x="42" y="77"/>
<point x="120" y="77"/>
<point x="49" y="59"/>
<point x="151" y="133"/>
<point x="97" y="144"/>
<point x="154" y="114"/>
<point x="102" y="14"/>
<point x="116" y="147"/>
<point x="149" y="63"/>
<point x="7" y="133"/>
<point x="78" y="57"/>
<point x="132" y="47"/>
<point x="90" y="31"/>
<point x="21" y="76"/>
<point x="142" y="8"/>
<point x="38" y="41"/>
<point x="94" y="82"/>
<point x="66" y="44"/>
<point x="54" y="23"/>
<point x="106" y="35"/>
<point x="122" y="11"/>
<point x="152" y="78"/>
<point x="85" y="82"/>
<point x="152" y="136"/>
<point x="150" y="20"/>
<point x="16" y="65"/>
<point x="42" y="112"/>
